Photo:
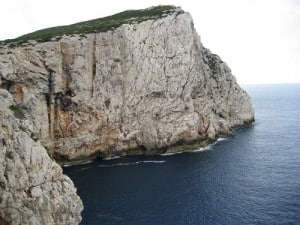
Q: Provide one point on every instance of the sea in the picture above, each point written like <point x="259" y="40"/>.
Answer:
<point x="252" y="178"/>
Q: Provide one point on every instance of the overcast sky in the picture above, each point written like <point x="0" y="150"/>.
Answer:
<point x="259" y="39"/>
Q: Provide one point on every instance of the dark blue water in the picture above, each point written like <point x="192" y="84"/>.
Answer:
<point x="253" y="178"/>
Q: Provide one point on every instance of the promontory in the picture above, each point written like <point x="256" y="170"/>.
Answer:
<point x="138" y="82"/>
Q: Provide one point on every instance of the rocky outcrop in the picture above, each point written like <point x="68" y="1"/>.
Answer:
<point x="140" y="88"/>
<point x="33" y="189"/>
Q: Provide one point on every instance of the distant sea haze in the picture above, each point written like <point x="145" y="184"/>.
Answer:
<point x="253" y="178"/>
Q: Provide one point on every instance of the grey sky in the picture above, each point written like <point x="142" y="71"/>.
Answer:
<point x="259" y="39"/>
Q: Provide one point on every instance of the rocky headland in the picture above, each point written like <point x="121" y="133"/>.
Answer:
<point x="138" y="82"/>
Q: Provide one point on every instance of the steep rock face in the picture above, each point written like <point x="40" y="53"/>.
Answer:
<point x="33" y="189"/>
<point x="140" y="88"/>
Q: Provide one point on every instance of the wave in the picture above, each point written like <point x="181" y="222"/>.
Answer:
<point x="210" y="146"/>
<point x="221" y="139"/>
<point x="133" y="163"/>
<point x="173" y="153"/>
<point x="207" y="148"/>
<point x="111" y="158"/>
<point x="154" y="161"/>
<point x="83" y="163"/>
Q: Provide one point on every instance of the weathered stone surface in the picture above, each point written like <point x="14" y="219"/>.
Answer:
<point x="139" y="88"/>
<point x="33" y="189"/>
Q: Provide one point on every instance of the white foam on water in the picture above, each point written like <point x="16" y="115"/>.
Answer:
<point x="173" y="153"/>
<point x="111" y="158"/>
<point x="84" y="163"/>
<point x="207" y="148"/>
<point x="133" y="163"/>
<point x="157" y="161"/>
<point x="219" y="140"/>
<point x="222" y="139"/>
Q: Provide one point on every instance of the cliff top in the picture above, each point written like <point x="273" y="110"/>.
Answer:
<point x="93" y="26"/>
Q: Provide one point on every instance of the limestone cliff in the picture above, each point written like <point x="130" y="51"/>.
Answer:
<point x="33" y="189"/>
<point x="143" y="86"/>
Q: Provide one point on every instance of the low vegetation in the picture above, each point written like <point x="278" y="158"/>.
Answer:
<point x="18" y="113"/>
<point x="22" y="128"/>
<point x="92" y="26"/>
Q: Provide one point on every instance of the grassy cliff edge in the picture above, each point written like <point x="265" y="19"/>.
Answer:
<point x="94" y="26"/>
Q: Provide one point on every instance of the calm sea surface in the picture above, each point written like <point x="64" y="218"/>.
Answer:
<point x="253" y="178"/>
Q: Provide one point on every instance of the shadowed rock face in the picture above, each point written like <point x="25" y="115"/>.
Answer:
<point x="142" y="88"/>
<point x="33" y="189"/>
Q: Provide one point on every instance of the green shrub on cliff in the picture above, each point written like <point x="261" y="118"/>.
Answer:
<point x="18" y="113"/>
